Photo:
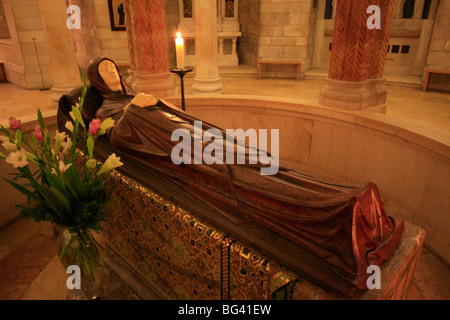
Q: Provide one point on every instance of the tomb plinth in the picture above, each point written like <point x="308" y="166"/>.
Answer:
<point x="326" y="233"/>
<point x="158" y="250"/>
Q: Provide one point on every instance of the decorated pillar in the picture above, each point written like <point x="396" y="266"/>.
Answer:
<point x="207" y="79"/>
<point x="61" y="48"/>
<point x="149" y="48"/>
<point x="358" y="55"/>
<point x="379" y="41"/>
<point x="129" y="27"/>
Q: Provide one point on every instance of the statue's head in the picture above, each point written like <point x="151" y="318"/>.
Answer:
<point x="109" y="73"/>
<point x="105" y="77"/>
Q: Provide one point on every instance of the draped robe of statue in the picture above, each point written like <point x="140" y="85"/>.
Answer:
<point x="344" y="225"/>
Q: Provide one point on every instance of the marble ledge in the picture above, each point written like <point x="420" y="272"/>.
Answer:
<point x="432" y="140"/>
<point x="424" y="137"/>
<point x="29" y="122"/>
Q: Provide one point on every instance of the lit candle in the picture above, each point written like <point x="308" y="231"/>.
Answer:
<point x="180" y="51"/>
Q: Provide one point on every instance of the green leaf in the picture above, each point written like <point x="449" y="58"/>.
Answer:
<point x="83" y="93"/>
<point x="6" y="132"/>
<point x="90" y="145"/>
<point x="54" y="180"/>
<point x="45" y="194"/>
<point x="59" y="198"/>
<point x="25" y="191"/>
<point x="41" y="122"/>
<point x="18" y="138"/>
<point x="77" y="114"/>
<point x="73" y="182"/>
<point x="95" y="185"/>
<point x="34" y="141"/>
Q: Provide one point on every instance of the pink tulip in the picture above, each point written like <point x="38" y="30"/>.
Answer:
<point x="15" y="123"/>
<point x="38" y="133"/>
<point x="94" y="126"/>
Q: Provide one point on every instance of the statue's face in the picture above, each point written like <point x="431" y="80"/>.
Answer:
<point x="110" y="75"/>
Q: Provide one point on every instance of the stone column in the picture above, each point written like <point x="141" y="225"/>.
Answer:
<point x="379" y="41"/>
<point x="149" y="48"/>
<point x="358" y="56"/>
<point x="61" y="48"/>
<point x="129" y="26"/>
<point x="207" y="79"/>
<point x="418" y="9"/>
<point x="398" y="9"/>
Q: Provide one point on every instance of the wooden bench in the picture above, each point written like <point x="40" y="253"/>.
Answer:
<point x="428" y="75"/>
<point x="268" y="61"/>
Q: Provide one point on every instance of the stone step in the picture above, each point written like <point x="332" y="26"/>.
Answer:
<point x="401" y="80"/>
<point x="240" y="71"/>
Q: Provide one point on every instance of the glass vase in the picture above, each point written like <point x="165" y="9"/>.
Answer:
<point x="78" y="250"/>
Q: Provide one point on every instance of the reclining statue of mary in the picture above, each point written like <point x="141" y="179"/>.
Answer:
<point x="341" y="224"/>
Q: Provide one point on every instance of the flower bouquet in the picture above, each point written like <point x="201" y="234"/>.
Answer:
<point x="57" y="190"/>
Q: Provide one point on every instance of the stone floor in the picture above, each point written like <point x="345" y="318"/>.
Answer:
<point x="407" y="103"/>
<point x="30" y="269"/>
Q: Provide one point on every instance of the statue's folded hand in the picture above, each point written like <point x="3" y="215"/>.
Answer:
<point x="144" y="100"/>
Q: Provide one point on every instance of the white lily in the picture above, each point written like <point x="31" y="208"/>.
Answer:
<point x="69" y="126"/>
<point x="106" y="124"/>
<point x="31" y="157"/>
<point x="110" y="164"/>
<point x="59" y="138"/>
<point x="11" y="147"/>
<point x="63" y="167"/>
<point x="91" y="164"/>
<point x="18" y="159"/>
<point x="66" y="145"/>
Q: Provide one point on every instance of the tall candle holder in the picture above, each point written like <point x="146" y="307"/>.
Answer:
<point x="181" y="72"/>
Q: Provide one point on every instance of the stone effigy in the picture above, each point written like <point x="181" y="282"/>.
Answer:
<point x="327" y="232"/>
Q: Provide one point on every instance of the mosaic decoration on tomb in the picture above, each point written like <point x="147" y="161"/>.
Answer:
<point x="183" y="257"/>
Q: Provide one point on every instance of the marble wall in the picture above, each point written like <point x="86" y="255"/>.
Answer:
<point x="4" y="31"/>
<point x="439" y="50"/>
<point x="96" y="37"/>
<point x="286" y="32"/>
<point x="248" y="43"/>
<point x="23" y="65"/>
<point x="24" y="20"/>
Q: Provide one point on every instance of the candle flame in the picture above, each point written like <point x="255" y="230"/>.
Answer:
<point x="178" y="35"/>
